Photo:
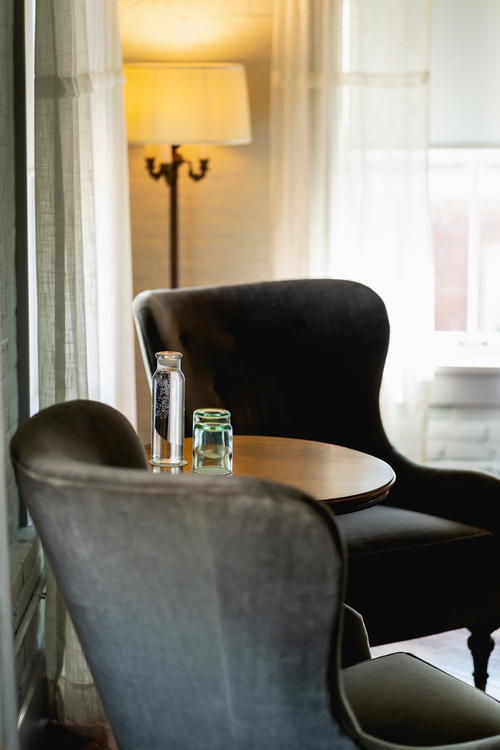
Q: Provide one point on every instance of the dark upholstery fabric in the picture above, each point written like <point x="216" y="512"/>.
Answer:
<point x="82" y="434"/>
<point x="355" y="642"/>
<point x="304" y="358"/>
<point x="260" y="350"/>
<point x="206" y="621"/>
<point x="209" y="609"/>
<point x="427" y="707"/>
<point x="438" y="571"/>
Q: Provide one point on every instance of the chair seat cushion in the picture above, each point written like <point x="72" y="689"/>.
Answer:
<point x="412" y="574"/>
<point x="402" y="699"/>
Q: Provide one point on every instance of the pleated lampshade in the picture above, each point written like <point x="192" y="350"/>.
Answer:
<point x="183" y="103"/>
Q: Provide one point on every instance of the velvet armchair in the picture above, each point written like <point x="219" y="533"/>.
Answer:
<point x="210" y="609"/>
<point x="304" y="359"/>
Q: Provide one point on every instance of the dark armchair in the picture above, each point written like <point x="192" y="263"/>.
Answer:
<point x="209" y="610"/>
<point x="305" y="359"/>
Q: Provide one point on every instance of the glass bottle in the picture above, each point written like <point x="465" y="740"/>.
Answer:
<point x="167" y="411"/>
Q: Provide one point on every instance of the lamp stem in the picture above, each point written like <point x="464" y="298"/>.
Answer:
<point x="169" y="172"/>
<point x="174" y="220"/>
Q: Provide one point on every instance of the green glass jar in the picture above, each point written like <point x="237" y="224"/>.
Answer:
<point x="212" y="441"/>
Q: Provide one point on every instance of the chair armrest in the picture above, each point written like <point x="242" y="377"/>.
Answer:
<point x="355" y="644"/>
<point x="471" y="497"/>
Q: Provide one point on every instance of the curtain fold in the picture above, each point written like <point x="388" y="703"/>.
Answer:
<point x="84" y="277"/>
<point x="349" y="172"/>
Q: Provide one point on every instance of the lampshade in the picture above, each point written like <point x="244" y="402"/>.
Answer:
<point x="179" y="103"/>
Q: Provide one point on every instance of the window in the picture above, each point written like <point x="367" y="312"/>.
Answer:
<point x="464" y="180"/>
<point x="464" y="192"/>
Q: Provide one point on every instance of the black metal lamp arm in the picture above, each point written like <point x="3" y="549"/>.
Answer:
<point x="168" y="170"/>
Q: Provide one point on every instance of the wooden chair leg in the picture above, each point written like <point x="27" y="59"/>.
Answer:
<point x="481" y="645"/>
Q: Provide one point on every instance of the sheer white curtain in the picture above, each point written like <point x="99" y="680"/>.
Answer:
<point x="84" y="279"/>
<point x="349" y="151"/>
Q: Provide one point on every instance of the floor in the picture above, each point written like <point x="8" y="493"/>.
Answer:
<point x="447" y="651"/>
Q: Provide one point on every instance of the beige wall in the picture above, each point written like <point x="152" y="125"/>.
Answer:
<point x="224" y="219"/>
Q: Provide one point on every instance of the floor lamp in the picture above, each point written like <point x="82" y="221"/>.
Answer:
<point x="184" y="103"/>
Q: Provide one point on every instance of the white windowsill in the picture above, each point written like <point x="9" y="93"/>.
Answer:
<point x="468" y="353"/>
<point x="469" y="368"/>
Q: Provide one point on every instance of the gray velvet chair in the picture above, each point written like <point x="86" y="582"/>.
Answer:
<point x="425" y="561"/>
<point x="209" y="609"/>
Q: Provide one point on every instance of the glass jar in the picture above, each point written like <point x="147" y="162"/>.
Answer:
<point x="167" y="411"/>
<point x="212" y="441"/>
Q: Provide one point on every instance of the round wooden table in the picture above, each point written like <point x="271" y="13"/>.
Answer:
<point x="344" y="478"/>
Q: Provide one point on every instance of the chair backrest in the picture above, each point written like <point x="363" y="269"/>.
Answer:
<point x="208" y="608"/>
<point x="300" y="358"/>
<point x="82" y="431"/>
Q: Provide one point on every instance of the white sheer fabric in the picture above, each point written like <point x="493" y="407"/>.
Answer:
<point x="350" y="112"/>
<point x="84" y="279"/>
<point x="84" y="274"/>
